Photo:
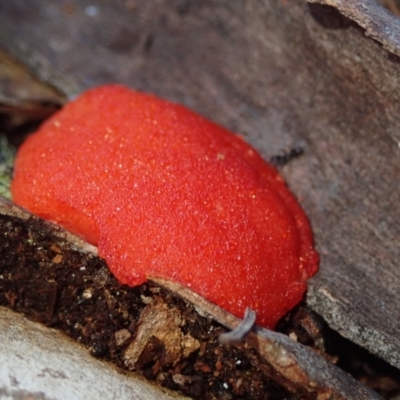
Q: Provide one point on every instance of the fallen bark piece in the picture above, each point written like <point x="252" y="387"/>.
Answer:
<point x="41" y="363"/>
<point x="160" y="321"/>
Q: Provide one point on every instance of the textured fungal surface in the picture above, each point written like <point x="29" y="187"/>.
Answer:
<point x="165" y="193"/>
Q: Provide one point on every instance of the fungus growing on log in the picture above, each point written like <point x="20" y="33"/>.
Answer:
<point x="165" y="193"/>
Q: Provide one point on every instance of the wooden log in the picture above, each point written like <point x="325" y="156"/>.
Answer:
<point x="284" y="74"/>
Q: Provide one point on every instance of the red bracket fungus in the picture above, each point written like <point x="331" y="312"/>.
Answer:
<point x="165" y="193"/>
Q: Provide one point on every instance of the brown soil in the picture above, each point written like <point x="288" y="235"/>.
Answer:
<point x="74" y="292"/>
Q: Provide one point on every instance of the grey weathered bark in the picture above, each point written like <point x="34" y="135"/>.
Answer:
<point x="283" y="73"/>
<point x="63" y="370"/>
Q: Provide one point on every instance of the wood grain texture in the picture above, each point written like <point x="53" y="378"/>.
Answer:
<point x="282" y="73"/>
<point x="63" y="370"/>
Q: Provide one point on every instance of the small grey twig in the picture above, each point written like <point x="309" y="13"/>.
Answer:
<point x="238" y="334"/>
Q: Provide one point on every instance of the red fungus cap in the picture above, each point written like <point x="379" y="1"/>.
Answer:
<point x="165" y="193"/>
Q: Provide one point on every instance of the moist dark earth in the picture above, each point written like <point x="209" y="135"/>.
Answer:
<point x="74" y="292"/>
<point x="43" y="278"/>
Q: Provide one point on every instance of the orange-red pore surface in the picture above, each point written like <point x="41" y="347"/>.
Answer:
<point x="165" y="193"/>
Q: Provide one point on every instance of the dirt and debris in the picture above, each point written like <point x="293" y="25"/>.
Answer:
<point x="150" y="331"/>
<point x="144" y="328"/>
